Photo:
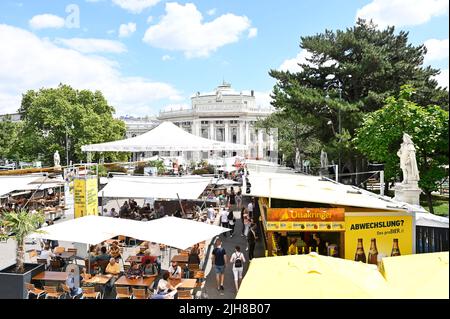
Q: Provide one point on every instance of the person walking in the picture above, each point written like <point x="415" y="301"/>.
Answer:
<point x="243" y="216"/>
<point x="219" y="260"/>
<point x="251" y="239"/>
<point x="237" y="260"/>
<point x="232" y="199"/>
<point x="224" y="220"/>
<point x="250" y="207"/>
<point x="239" y="199"/>
<point x="231" y="222"/>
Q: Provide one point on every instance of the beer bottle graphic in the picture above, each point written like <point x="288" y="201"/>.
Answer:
<point x="373" y="252"/>
<point x="303" y="250"/>
<point x="360" y="255"/>
<point x="395" y="249"/>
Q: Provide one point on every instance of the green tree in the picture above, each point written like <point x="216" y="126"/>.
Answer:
<point x="368" y="65"/>
<point x="18" y="225"/>
<point x="9" y="132"/>
<point x="380" y="136"/>
<point x="49" y="115"/>
<point x="294" y="137"/>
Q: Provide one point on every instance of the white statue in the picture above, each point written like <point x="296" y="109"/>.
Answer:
<point x="219" y="95"/>
<point x="323" y="159"/>
<point x="408" y="163"/>
<point x="56" y="159"/>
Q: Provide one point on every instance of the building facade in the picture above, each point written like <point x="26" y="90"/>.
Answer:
<point x="227" y="116"/>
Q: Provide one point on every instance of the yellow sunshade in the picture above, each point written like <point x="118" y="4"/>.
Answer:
<point x="418" y="276"/>
<point x="311" y="277"/>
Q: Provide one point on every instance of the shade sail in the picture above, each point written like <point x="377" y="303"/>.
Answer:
<point x="175" y="232"/>
<point x="178" y="232"/>
<point x="154" y="187"/>
<point x="9" y="184"/>
<point x="315" y="189"/>
<point x="87" y="230"/>
<point x="311" y="277"/>
<point x="430" y="220"/>
<point x="165" y="137"/>
<point x="418" y="276"/>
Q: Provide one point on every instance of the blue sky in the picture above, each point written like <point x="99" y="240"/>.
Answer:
<point x="145" y="64"/>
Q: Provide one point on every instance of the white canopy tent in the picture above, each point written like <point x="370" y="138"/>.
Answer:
<point x="154" y="187"/>
<point x="9" y="184"/>
<point x="171" y="231"/>
<point x="165" y="137"/>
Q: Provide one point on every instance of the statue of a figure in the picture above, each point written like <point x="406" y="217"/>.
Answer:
<point x="56" y="159"/>
<point x="219" y="95"/>
<point x="323" y="159"/>
<point x="408" y="163"/>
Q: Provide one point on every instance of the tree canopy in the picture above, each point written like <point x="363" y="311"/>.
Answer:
<point x="381" y="133"/>
<point x="358" y="68"/>
<point x="51" y="114"/>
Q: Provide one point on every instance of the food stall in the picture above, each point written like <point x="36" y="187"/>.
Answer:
<point x="330" y="218"/>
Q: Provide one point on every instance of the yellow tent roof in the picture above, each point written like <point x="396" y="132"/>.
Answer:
<point x="311" y="277"/>
<point x="418" y="276"/>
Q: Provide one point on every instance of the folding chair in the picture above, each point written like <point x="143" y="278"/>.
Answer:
<point x="123" y="293"/>
<point x="185" y="294"/>
<point x="90" y="293"/>
<point x="32" y="290"/>
<point x="140" y="294"/>
<point x="68" y="293"/>
<point x="52" y="292"/>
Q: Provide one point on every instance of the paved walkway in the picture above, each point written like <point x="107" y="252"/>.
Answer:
<point x="229" y="244"/>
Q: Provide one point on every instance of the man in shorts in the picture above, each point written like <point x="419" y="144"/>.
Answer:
<point x="219" y="260"/>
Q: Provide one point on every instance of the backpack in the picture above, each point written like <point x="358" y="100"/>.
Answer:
<point x="238" y="261"/>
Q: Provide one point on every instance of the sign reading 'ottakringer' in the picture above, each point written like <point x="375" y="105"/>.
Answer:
<point x="306" y="219"/>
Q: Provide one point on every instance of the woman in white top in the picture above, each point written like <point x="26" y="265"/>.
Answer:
<point x="237" y="260"/>
<point x="164" y="286"/>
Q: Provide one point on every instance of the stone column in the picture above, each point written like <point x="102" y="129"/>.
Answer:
<point x="260" y="142"/>
<point x="227" y="131"/>
<point x="211" y="131"/>
<point x="247" y="138"/>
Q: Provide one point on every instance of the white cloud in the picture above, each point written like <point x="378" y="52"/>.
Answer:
<point x="135" y="6"/>
<point x="442" y="78"/>
<point x="182" y="28"/>
<point x="46" y="20"/>
<point x="29" y="62"/>
<point x="292" y="66"/>
<point x="402" y="12"/>
<point x="126" y="30"/>
<point x="253" y="32"/>
<point x="436" y="50"/>
<point x="149" y="19"/>
<point x="111" y="31"/>
<point x="263" y="99"/>
<point x="93" y="45"/>
<point x="166" y="57"/>
<point x="211" y="12"/>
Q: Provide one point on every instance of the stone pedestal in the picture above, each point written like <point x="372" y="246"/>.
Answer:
<point x="408" y="193"/>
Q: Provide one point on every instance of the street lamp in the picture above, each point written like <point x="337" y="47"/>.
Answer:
<point x="338" y="85"/>
<point x="67" y="145"/>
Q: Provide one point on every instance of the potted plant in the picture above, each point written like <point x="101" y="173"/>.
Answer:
<point x="17" y="226"/>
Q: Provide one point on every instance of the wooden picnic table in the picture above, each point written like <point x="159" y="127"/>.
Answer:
<point x="51" y="276"/>
<point x="185" y="283"/>
<point x="182" y="259"/>
<point x="98" y="279"/>
<point x="140" y="282"/>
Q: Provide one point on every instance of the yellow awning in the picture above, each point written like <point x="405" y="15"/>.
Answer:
<point x="418" y="276"/>
<point x="312" y="277"/>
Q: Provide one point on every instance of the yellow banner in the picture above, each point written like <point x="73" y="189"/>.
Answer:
<point x="370" y="238"/>
<point x="305" y="226"/>
<point x="85" y="197"/>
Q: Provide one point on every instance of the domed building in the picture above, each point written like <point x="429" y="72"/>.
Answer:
<point x="228" y="116"/>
